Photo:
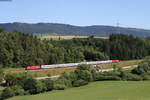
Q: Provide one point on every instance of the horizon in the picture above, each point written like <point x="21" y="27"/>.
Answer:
<point x="73" y="25"/>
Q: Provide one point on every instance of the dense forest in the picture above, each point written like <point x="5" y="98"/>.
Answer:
<point x="19" y="50"/>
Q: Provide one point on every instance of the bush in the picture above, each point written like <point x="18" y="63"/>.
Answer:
<point x="111" y="73"/>
<point x="80" y="83"/>
<point x="9" y="78"/>
<point x="139" y="70"/>
<point x="32" y="85"/>
<point x="143" y="67"/>
<point x="39" y="87"/>
<point x="146" y="77"/>
<point x="63" y="81"/>
<point x="7" y="93"/>
<point x="69" y="76"/>
<point x="107" y="76"/>
<point x="18" y="90"/>
<point x="49" y="84"/>
<point x="123" y="75"/>
<point x="84" y="75"/>
<point x="59" y="87"/>
<point x="133" y="77"/>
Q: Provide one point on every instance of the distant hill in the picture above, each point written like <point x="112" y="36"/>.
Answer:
<point x="65" y="29"/>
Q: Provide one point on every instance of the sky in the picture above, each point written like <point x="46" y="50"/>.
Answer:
<point x="129" y="13"/>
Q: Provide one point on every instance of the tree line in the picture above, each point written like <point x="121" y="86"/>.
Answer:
<point x="19" y="50"/>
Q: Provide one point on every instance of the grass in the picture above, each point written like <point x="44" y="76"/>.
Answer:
<point x="58" y="71"/>
<point x="51" y="72"/>
<point x="40" y="73"/>
<point x="106" y="90"/>
<point x="56" y="37"/>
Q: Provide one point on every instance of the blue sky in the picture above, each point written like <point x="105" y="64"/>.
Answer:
<point x="129" y="13"/>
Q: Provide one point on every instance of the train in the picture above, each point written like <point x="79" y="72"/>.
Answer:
<point x="70" y="64"/>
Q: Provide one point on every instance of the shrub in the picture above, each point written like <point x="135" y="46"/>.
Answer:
<point x="39" y="87"/>
<point x="63" y="81"/>
<point x="9" y="78"/>
<point x="84" y="75"/>
<point x="59" y="87"/>
<point x="7" y="93"/>
<point x="32" y="85"/>
<point x="16" y="79"/>
<point x="85" y="72"/>
<point x="80" y="83"/>
<point x="133" y="77"/>
<point x="123" y="75"/>
<point x="111" y="73"/>
<point x="107" y="76"/>
<point x="143" y="67"/>
<point x="69" y="76"/>
<point x="104" y="78"/>
<point x="18" y="90"/>
<point x="49" y="84"/>
<point x="139" y="70"/>
<point x="146" y="77"/>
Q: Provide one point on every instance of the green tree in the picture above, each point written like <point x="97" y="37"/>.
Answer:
<point x="7" y="93"/>
<point x="49" y="84"/>
<point x="143" y="67"/>
<point x="18" y="90"/>
<point x="84" y="72"/>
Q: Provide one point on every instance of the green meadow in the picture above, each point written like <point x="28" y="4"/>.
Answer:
<point x="104" y="90"/>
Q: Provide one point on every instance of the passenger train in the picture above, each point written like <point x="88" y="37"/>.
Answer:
<point x="70" y="64"/>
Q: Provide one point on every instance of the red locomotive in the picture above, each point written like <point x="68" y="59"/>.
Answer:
<point x="33" y="67"/>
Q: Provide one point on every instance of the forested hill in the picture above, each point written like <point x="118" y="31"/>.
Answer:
<point x="65" y="29"/>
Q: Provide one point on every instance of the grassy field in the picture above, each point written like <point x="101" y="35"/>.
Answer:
<point x="56" y="37"/>
<point x="106" y="90"/>
<point x="58" y="71"/>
